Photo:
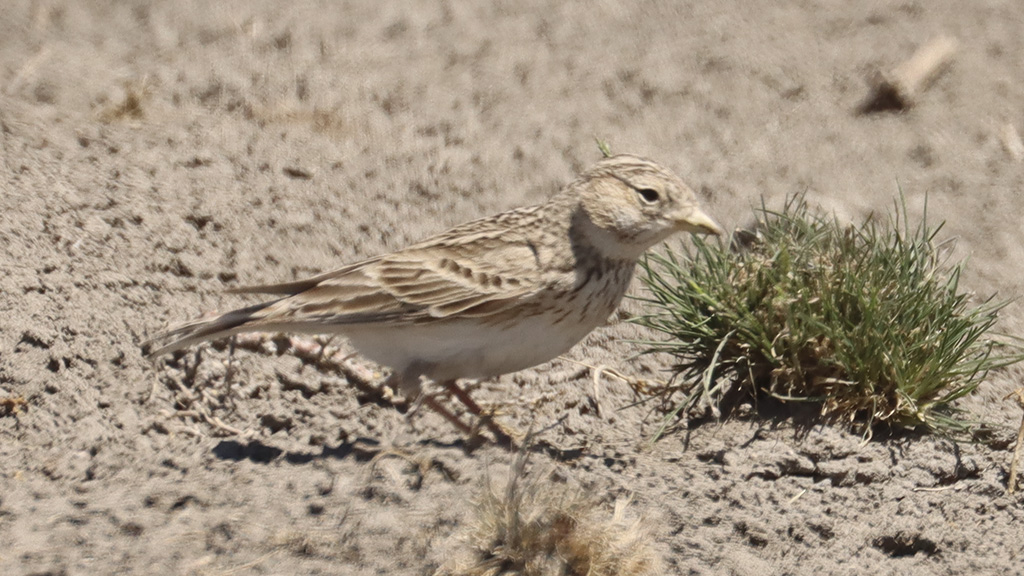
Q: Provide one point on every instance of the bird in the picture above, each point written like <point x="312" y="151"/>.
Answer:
<point x="489" y="297"/>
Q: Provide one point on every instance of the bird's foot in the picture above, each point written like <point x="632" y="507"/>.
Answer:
<point x="504" y="435"/>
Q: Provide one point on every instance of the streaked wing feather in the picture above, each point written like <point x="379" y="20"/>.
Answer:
<point x="475" y="270"/>
<point x="294" y="287"/>
<point x="411" y="286"/>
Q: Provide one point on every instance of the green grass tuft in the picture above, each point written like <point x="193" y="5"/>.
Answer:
<point x="868" y="321"/>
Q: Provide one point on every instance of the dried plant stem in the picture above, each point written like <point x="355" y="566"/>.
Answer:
<point x="1011" y="485"/>
<point x="1012" y="142"/>
<point x="899" y="88"/>
<point x="913" y="75"/>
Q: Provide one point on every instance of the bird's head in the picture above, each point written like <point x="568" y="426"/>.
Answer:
<point x="633" y="204"/>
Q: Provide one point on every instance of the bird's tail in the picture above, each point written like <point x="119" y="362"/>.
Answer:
<point x="189" y="333"/>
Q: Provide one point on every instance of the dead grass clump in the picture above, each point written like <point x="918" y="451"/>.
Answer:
<point x="542" y="527"/>
<point x="128" y="103"/>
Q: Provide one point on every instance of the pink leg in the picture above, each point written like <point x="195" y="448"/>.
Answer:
<point x="436" y="406"/>
<point x="500" y="435"/>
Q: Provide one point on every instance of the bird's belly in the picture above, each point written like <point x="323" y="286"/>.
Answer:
<point x="467" y="349"/>
<point x="538" y="331"/>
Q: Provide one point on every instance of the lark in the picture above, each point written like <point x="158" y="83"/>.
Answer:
<point x="489" y="297"/>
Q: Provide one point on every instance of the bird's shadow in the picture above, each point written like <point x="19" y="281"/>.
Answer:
<point x="259" y="452"/>
<point x="360" y="450"/>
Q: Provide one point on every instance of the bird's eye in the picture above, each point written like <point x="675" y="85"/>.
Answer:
<point x="649" y="195"/>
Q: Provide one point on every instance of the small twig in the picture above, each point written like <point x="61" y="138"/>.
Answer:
<point x="200" y="413"/>
<point x="249" y="565"/>
<point x="899" y="88"/>
<point x="639" y="385"/>
<point x="219" y="424"/>
<point x="1011" y="484"/>
<point x="423" y="464"/>
<point x="1012" y="142"/>
<point x="709" y="376"/>
<point x="935" y="488"/>
<point x="152" y="391"/>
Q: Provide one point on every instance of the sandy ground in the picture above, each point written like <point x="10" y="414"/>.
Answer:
<point x="154" y="154"/>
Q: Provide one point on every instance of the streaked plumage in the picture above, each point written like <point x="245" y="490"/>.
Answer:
<point x="491" y="296"/>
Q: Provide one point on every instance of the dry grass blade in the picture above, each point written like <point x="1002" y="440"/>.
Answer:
<point x="1011" y="484"/>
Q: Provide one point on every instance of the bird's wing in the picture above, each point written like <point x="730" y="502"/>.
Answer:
<point x="297" y="286"/>
<point x="476" y="270"/>
<point x="425" y="283"/>
<point x="415" y="285"/>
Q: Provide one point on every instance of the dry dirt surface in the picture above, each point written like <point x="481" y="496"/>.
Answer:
<point x="155" y="154"/>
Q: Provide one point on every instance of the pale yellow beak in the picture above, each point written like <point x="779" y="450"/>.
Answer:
<point x="698" y="222"/>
